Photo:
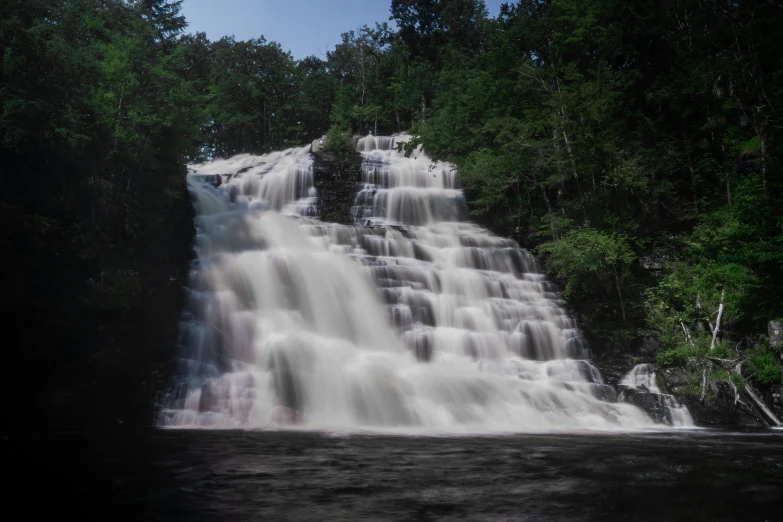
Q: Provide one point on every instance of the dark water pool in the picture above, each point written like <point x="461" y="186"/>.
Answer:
<point x="235" y="475"/>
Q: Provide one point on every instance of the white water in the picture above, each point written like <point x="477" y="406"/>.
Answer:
<point x="642" y="377"/>
<point x="382" y="325"/>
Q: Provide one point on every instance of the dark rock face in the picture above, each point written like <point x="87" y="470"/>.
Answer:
<point x="774" y="398"/>
<point x="652" y="403"/>
<point x="642" y="349"/>
<point x="649" y="347"/>
<point x="775" y="331"/>
<point x="614" y="369"/>
<point x="336" y="181"/>
<point x="212" y="179"/>
<point x="675" y="379"/>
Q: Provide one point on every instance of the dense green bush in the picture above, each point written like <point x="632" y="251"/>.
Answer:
<point x="763" y="365"/>
<point x="674" y="357"/>
<point x="681" y="354"/>
<point x="596" y="265"/>
<point x="338" y="142"/>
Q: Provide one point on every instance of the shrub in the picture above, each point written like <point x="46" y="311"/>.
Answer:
<point x="723" y="350"/>
<point x="588" y="257"/>
<point x="682" y="353"/>
<point x="338" y="142"/>
<point x="738" y="381"/>
<point x="763" y="365"/>
<point x="674" y="356"/>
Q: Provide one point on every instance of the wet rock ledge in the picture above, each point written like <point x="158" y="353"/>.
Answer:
<point x="336" y="179"/>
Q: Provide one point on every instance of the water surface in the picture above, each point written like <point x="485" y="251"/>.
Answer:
<point x="252" y="475"/>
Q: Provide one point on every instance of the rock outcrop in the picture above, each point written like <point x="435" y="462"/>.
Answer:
<point x="775" y="331"/>
<point x="717" y="411"/>
<point x="336" y="180"/>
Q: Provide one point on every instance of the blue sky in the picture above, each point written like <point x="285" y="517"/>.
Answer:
<point x="305" y="27"/>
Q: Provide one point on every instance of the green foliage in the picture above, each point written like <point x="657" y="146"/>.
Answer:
<point x="675" y="357"/>
<point x="586" y="256"/>
<point x="595" y="264"/>
<point x="580" y="112"/>
<point x="738" y="380"/>
<point x="372" y="74"/>
<point x="763" y="365"/>
<point x="638" y="144"/>
<point x="682" y="352"/>
<point x="338" y="142"/>
<point x="341" y="110"/>
<point x="260" y="95"/>
<point x="675" y="296"/>
<point x="693" y="386"/>
<point x="723" y="350"/>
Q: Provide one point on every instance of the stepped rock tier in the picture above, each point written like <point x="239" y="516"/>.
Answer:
<point x="413" y="318"/>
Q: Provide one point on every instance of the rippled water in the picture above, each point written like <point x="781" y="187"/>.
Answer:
<point x="240" y="475"/>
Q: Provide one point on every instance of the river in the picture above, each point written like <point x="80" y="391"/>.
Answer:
<point x="257" y="475"/>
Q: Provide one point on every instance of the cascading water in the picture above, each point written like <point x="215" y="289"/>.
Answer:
<point x="642" y="380"/>
<point x="411" y="318"/>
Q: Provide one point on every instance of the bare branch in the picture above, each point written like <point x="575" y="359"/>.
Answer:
<point x="717" y="321"/>
<point x="736" y="392"/>
<point x="709" y="325"/>
<point x="750" y="392"/>
<point x="687" y="333"/>
<point x="738" y="370"/>
<point x="725" y="362"/>
<point x="699" y="307"/>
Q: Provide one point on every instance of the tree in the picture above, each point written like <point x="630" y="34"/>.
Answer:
<point x="591" y="261"/>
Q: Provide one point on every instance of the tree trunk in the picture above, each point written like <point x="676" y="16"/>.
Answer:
<point x="693" y="188"/>
<point x="687" y="333"/>
<point x="693" y="174"/>
<point x="759" y="128"/>
<point x="548" y="207"/>
<point x="726" y="174"/>
<point x="728" y="189"/>
<point x="717" y="322"/>
<point x="751" y="393"/>
<point x="573" y="170"/>
<point x="619" y="294"/>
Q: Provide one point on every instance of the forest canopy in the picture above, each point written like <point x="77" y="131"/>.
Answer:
<point x="635" y="145"/>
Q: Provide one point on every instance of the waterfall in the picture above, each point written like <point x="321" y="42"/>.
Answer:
<point x="413" y="318"/>
<point x="642" y="384"/>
